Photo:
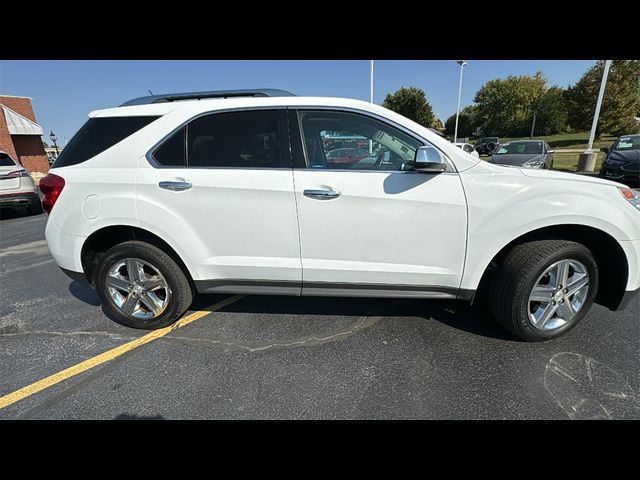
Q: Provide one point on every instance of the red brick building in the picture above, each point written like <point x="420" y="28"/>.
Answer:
<point x="20" y="134"/>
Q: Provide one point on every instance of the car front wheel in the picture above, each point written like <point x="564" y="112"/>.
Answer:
<point x="543" y="289"/>
<point x="141" y="286"/>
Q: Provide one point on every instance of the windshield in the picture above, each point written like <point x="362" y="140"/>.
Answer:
<point x="630" y="142"/>
<point x="520" y="148"/>
<point x="5" y="161"/>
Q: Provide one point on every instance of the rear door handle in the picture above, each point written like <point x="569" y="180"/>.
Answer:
<point x="175" y="185"/>
<point x="321" y="194"/>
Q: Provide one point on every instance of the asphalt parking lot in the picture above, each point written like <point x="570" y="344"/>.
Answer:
<point x="289" y="357"/>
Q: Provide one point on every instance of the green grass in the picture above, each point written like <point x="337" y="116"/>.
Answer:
<point x="568" y="162"/>
<point x="570" y="140"/>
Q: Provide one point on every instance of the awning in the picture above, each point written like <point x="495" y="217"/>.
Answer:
<point x="19" y="125"/>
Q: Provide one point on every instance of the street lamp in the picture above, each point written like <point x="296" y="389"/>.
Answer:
<point x="371" y="98"/>
<point x="53" y="138"/>
<point x="462" y="64"/>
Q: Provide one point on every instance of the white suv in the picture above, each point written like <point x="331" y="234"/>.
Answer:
<point x="237" y="192"/>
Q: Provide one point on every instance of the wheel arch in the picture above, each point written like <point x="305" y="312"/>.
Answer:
<point x="103" y="239"/>
<point x="613" y="266"/>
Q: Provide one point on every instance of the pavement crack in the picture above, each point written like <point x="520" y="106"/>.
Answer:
<point x="310" y="340"/>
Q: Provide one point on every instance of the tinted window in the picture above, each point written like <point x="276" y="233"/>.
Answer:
<point x="97" y="135"/>
<point x="172" y="152"/>
<point x="246" y="139"/>
<point x="5" y="161"/>
<point x="376" y="145"/>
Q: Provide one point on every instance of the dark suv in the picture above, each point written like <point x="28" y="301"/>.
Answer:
<point x="487" y="145"/>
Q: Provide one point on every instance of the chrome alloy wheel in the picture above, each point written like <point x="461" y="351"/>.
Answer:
<point x="558" y="295"/>
<point x="137" y="288"/>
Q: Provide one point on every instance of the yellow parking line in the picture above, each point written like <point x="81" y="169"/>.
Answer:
<point x="51" y="380"/>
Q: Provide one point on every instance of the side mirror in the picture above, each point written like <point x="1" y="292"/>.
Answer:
<point x="429" y="160"/>
<point x="605" y="149"/>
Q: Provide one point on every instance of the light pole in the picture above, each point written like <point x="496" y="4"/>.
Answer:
<point x="462" y="64"/>
<point x="53" y="138"/>
<point x="587" y="159"/>
<point x="371" y="98"/>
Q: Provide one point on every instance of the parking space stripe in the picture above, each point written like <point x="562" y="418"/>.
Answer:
<point x="67" y="373"/>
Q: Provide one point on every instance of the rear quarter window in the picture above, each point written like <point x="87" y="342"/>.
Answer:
<point x="5" y="161"/>
<point x="97" y="135"/>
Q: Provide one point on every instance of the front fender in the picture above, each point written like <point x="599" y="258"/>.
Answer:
<point x="505" y="205"/>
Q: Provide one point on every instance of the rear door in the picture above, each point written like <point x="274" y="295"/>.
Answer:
<point x="221" y="187"/>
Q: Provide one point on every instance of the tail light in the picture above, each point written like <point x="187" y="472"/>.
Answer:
<point x="51" y="186"/>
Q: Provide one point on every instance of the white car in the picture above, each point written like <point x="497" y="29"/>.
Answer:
<point x="229" y="192"/>
<point x="467" y="148"/>
<point x="17" y="188"/>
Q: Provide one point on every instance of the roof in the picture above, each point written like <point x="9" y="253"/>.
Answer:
<point x="175" y="112"/>
<point x="14" y="96"/>
<point x="18" y="124"/>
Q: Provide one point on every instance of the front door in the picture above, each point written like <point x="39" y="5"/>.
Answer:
<point x="370" y="224"/>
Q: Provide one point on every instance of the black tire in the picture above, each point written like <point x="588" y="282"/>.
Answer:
<point x="181" y="291"/>
<point x="518" y="273"/>
<point x="35" y="208"/>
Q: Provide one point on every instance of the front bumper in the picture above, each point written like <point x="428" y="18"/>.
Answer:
<point x="629" y="172"/>
<point x="77" y="277"/>
<point x="19" y="199"/>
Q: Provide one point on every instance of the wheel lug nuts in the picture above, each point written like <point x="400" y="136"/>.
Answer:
<point x="566" y="290"/>
<point x="553" y="303"/>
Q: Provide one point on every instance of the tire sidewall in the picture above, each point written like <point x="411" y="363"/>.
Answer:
<point x="121" y="252"/>
<point x="522" y="320"/>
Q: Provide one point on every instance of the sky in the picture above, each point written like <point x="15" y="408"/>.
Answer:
<point x="64" y="92"/>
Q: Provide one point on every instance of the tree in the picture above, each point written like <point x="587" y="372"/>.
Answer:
<point x="45" y="144"/>
<point x="620" y="103"/>
<point x="467" y="122"/>
<point x="506" y="106"/>
<point x="412" y="103"/>
<point x="551" y="112"/>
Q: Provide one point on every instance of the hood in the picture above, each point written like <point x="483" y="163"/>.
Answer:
<point x="632" y="156"/>
<point x="514" y="158"/>
<point x="566" y="176"/>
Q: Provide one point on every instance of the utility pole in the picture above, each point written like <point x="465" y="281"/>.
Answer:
<point x="587" y="159"/>
<point x="533" y="125"/>
<point x="462" y="64"/>
<point x="371" y="98"/>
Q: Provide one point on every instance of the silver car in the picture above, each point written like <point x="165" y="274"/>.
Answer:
<point x="17" y="188"/>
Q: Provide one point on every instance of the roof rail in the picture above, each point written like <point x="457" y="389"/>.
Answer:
<point x="173" y="97"/>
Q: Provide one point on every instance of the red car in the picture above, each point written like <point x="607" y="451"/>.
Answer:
<point x="347" y="155"/>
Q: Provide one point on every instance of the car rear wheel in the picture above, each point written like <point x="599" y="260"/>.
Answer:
<point x="141" y="286"/>
<point x="543" y="289"/>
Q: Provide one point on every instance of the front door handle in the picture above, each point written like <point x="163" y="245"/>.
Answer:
<point x="321" y="194"/>
<point x="175" y="185"/>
